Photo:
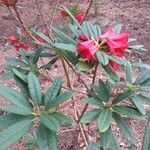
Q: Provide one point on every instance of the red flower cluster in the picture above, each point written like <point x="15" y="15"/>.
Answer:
<point x="17" y="44"/>
<point x="116" y="43"/>
<point x="79" y="16"/>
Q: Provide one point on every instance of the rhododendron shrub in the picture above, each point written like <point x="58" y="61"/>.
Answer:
<point x="86" y="47"/>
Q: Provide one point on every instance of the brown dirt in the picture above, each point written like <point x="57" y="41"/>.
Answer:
<point x="134" y="14"/>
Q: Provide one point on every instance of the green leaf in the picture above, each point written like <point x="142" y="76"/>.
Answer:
<point x="64" y="36"/>
<point x="125" y="128"/>
<point x="14" y="96"/>
<point x="90" y="116"/>
<point x="92" y="101"/>
<point x="10" y="119"/>
<point x="102" y="91"/>
<point x="59" y="99"/>
<point x="129" y="72"/>
<point x="7" y="76"/>
<point x="46" y="139"/>
<point x="17" y="110"/>
<point x="102" y="58"/>
<point x="23" y="86"/>
<point x="144" y="97"/>
<point x="64" y="120"/>
<point x="75" y="20"/>
<point x="20" y="75"/>
<point x="15" y="62"/>
<point x="13" y="133"/>
<point x="104" y="120"/>
<point x="92" y="146"/>
<point x="146" y="140"/>
<point x="67" y="47"/>
<point x="31" y="142"/>
<point x="50" y="122"/>
<point x="118" y="60"/>
<point x="137" y="47"/>
<point x="53" y="90"/>
<point x="50" y="64"/>
<point x="130" y="112"/>
<point x="143" y="76"/>
<point x="111" y="73"/>
<point x="44" y="37"/>
<point x="74" y="30"/>
<point x="118" y="28"/>
<point x="34" y="88"/>
<point x="138" y="104"/>
<point x="97" y="31"/>
<point x="123" y="96"/>
<point x="105" y="139"/>
<point x="140" y="65"/>
<point x="114" y="145"/>
<point x="84" y="66"/>
<point x="145" y="88"/>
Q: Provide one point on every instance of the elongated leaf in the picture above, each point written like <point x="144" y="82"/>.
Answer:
<point x="111" y="73"/>
<point x="144" y="97"/>
<point x="9" y="119"/>
<point x="50" y="64"/>
<point x="59" y="99"/>
<point x="104" y="120"/>
<point x="105" y="139"/>
<point x="75" y="20"/>
<point x="74" y="30"/>
<point x="118" y="60"/>
<point x="14" y="96"/>
<point x="50" y="122"/>
<point x="140" y="65"/>
<point x="92" y="101"/>
<point x="97" y="31"/>
<point x="7" y="76"/>
<point x="102" y="58"/>
<point x="34" y="88"/>
<point x="130" y="112"/>
<point x="145" y="88"/>
<point x="23" y="86"/>
<point x="64" y="120"/>
<point x="129" y="72"/>
<point x="67" y="47"/>
<point x="125" y="128"/>
<point x="123" y="96"/>
<point x="92" y="146"/>
<point x="114" y="145"/>
<point x="20" y="75"/>
<point x="90" y="116"/>
<point x="53" y="91"/>
<point x="118" y="28"/>
<point x="102" y="91"/>
<point x="17" y="110"/>
<point x="13" y="133"/>
<point x="138" y="104"/>
<point x="64" y="36"/>
<point x="46" y="139"/>
<point x="143" y="76"/>
<point x="15" y="62"/>
<point x="146" y="140"/>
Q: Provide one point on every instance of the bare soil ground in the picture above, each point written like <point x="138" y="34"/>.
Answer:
<point x="134" y="14"/>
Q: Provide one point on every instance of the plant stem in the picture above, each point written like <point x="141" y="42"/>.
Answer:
<point x="86" y="106"/>
<point x="66" y="72"/>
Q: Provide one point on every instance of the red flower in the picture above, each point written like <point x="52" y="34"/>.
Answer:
<point x="80" y="17"/>
<point x="87" y="49"/>
<point x="117" y="44"/>
<point x="21" y="45"/>
<point x="64" y="13"/>
<point x="12" y="40"/>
